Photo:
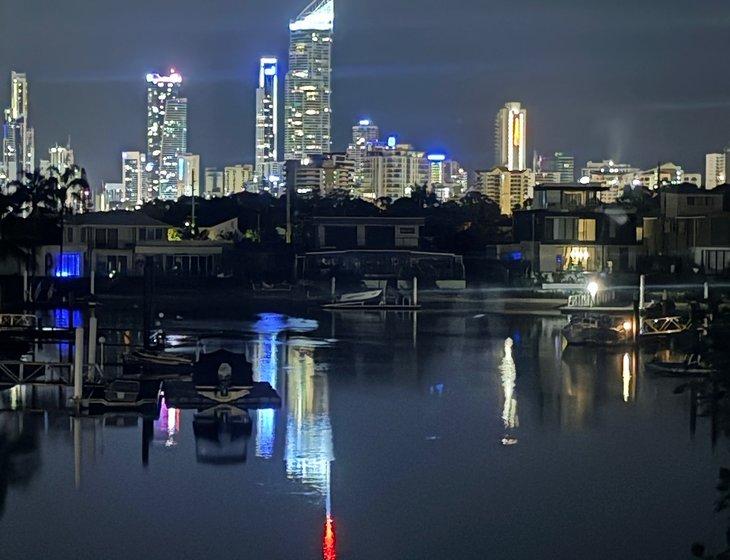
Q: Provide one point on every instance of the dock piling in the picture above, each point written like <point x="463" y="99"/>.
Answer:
<point x="642" y="292"/>
<point x="78" y="366"/>
<point x="415" y="291"/>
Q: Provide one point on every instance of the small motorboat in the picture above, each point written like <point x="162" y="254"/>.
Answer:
<point x="159" y="364"/>
<point x="122" y="394"/>
<point x="221" y="377"/>
<point x="598" y="330"/>
<point x="361" y="298"/>
<point x="691" y="366"/>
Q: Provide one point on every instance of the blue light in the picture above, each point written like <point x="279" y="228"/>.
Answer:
<point x="436" y="157"/>
<point x="392" y="141"/>
<point x="365" y="122"/>
<point x="69" y="266"/>
<point x="516" y="255"/>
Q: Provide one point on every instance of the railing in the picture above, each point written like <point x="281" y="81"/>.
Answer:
<point x="36" y="372"/>
<point x="18" y="321"/>
<point x="586" y="300"/>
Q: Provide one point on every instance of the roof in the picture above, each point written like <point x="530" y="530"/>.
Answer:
<point x="115" y="218"/>
<point x="375" y="220"/>
<point x="571" y="187"/>
<point x="688" y="188"/>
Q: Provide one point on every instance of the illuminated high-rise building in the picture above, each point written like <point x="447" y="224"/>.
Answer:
<point x="18" y="144"/>
<point x="188" y="175"/>
<point x="133" y="174"/>
<point x="715" y="170"/>
<point x="510" y="137"/>
<point x="308" y="86"/>
<point x="174" y="143"/>
<point x="267" y="115"/>
<point x="508" y="189"/>
<point x="160" y="90"/>
<point x="365" y="132"/>
<point x="61" y="157"/>
<point x="237" y="178"/>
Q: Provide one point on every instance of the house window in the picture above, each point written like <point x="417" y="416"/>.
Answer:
<point x="143" y="234"/>
<point x="69" y="235"/>
<point x="586" y="230"/>
<point x="69" y="266"/>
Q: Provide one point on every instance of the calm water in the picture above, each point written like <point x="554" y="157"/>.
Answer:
<point x="478" y="438"/>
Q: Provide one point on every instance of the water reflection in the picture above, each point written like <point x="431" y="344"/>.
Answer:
<point x="221" y="435"/>
<point x="508" y="374"/>
<point x="167" y="425"/>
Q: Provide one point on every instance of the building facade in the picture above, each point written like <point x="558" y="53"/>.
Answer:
<point x="188" y="175"/>
<point x="174" y="143"/>
<point x="559" y="162"/>
<point x="237" y="178"/>
<point x="508" y="189"/>
<point x="309" y="82"/>
<point x="160" y="90"/>
<point x="133" y="179"/>
<point x="715" y="170"/>
<point x="18" y="138"/>
<point x="510" y="137"/>
<point x="267" y="116"/>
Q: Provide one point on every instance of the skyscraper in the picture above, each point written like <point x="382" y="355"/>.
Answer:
<point x="308" y="82"/>
<point x="188" y="175"/>
<point x="510" y="137"/>
<point x="174" y="143"/>
<point x="160" y="89"/>
<point x="267" y="115"/>
<point x="18" y="144"/>
<point x="133" y="173"/>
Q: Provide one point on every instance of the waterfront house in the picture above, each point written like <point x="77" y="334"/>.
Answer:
<point x="569" y="229"/>
<point x="691" y="228"/>
<point x="375" y="248"/>
<point x="119" y="242"/>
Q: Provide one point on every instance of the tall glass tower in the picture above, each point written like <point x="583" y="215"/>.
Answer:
<point x="160" y="89"/>
<point x="267" y="119"/>
<point x="309" y="82"/>
<point x="174" y="143"/>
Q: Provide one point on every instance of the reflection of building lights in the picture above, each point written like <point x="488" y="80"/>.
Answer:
<point x="168" y="424"/>
<point x="508" y="373"/>
<point x="329" y="551"/>
<point x="627" y="377"/>
<point x="266" y="369"/>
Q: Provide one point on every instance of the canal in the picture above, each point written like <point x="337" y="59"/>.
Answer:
<point x="474" y="436"/>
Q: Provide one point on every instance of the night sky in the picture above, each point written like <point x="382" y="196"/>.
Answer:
<point x="636" y="81"/>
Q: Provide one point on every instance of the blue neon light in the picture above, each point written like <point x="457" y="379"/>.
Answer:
<point x="69" y="266"/>
<point x="392" y="141"/>
<point x="436" y="157"/>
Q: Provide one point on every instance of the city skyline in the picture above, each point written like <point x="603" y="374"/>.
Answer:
<point x="639" y="124"/>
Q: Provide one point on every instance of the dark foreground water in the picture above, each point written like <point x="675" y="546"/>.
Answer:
<point x="479" y="438"/>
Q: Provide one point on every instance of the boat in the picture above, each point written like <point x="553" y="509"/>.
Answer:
<point x="221" y="377"/>
<point x="360" y="298"/>
<point x="691" y="366"/>
<point x="122" y="395"/>
<point x="143" y="363"/>
<point x="598" y="330"/>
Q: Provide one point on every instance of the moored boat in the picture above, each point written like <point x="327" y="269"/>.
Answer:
<point x="598" y="330"/>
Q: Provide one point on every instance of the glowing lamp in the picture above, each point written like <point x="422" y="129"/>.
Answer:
<point x="592" y="289"/>
<point x="436" y="157"/>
